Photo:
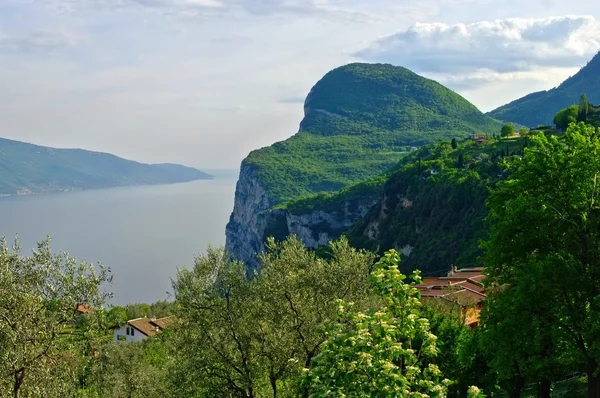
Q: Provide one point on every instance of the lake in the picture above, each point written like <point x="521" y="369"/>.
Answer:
<point x="143" y="233"/>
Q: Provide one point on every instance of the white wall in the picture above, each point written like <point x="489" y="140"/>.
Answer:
<point x="137" y="335"/>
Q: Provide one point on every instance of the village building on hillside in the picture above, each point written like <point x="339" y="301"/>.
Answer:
<point x="479" y="138"/>
<point x="462" y="289"/>
<point x="142" y="328"/>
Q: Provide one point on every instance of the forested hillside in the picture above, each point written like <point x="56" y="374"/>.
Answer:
<point x="539" y="108"/>
<point x="430" y="206"/>
<point x="359" y="120"/>
<point x="27" y="168"/>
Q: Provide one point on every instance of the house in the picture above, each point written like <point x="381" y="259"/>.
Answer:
<point x="83" y="309"/>
<point x="142" y="328"/>
<point x="479" y="138"/>
<point x="462" y="289"/>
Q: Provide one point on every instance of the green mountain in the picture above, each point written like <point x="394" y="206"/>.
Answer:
<point x="430" y="207"/>
<point x="360" y="120"/>
<point x="27" y="168"/>
<point x="540" y="108"/>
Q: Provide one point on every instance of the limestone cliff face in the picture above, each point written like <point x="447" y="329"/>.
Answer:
<point x="245" y="230"/>
<point x="316" y="229"/>
<point x="252" y="222"/>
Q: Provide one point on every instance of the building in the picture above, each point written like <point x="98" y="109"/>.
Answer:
<point x="462" y="289"/>
<point x="479" y="138"/>
<point x="142" y="328"/>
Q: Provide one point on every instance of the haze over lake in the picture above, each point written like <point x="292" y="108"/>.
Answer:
<point x="143" y="233"/>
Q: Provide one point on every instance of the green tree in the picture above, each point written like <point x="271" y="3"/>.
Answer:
<point x="131" y="370"/>
<point x="584" y="107"/>
<point x="251" y="337"/>
<point x="461" y="160"/>
<point x="507" y="130"/>
<point x="565" y="117"/>
<point x="545" y="242"/>
<point x="453" y="143"/>
<point x="41" y="333"/>
<point x="383" y="352"/>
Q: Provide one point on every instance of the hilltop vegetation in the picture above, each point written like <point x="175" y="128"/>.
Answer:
<point x="27" y="168"/>
<point x="430" y="206"/>
<point x="540" y="108"/>
<point x="360" y="119"/>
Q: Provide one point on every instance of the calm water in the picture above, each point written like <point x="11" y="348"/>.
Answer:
<point x="142" y="233"/>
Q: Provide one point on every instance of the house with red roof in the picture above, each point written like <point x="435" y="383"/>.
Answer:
<point x="462" y="289"/>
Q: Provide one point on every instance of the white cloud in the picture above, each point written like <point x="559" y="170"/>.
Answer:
<point x="500" y="46"/>
<point x="39" y="41"/>
<point x="193" y="8"/>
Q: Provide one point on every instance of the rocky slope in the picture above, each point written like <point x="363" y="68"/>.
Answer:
<point x="27" y="168"/>
<point x="540" y="108"/>
<point x="360" y="120"/>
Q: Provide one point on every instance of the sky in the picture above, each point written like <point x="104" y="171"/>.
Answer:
<point x="204" y="82"/>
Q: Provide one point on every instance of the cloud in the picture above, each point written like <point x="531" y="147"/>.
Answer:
<point x="498" y="46"/>
<point x="193" y="8"/>
<point x="36" y="42"/>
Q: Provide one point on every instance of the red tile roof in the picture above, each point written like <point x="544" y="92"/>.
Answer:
<point x="463" y="286"/>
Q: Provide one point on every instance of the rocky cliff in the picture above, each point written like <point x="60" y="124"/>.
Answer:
<point x="245" y="230"/>
<point x="253" y="220"/>
<point x="360" y="120"/>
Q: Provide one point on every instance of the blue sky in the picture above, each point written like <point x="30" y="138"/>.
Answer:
<point x="203" y="82"/>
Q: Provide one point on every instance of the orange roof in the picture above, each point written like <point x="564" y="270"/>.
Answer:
<point x="150" y="327"/>
<point x="459" y="283"/>
<point x="84" y="309"/>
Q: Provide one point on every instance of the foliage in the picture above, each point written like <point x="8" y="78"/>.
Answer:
<point x="437" y="219"/>
<point x="566" y="116"/>
<point x="573" y="114"/>
<point x="132" y="370"/>
<point x="28" y="168"/>
<point x="251" y="336"/>
<point x="584" y="108"/>
<point x="359" y="121"/>
<point x="507" y="130"/>
<point x="41" y="333"/>
<point x="544" y="249"/>
<point x="382" y="353"/>
<point x="540" y="107"/>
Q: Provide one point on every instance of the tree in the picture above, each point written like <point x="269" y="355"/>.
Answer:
<point x="383" y="352"/>
<point x="453" y="143"/>
<point x="461" y="160"/>
<point x="251" y="337"/>
<point x="584" y="107"/>
<point x="130" y="370"/>
<point x="41" y="333"/>
<point x="565" y="117"/>
<point x="507" y="130"/>
<point x="545" y="241"/>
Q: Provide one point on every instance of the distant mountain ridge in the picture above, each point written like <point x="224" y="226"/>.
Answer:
<point x="539" y="108"/>
<point x="27" y="168"/>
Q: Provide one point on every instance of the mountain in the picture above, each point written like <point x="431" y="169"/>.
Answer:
<point x="540" y="108"/>
<point x="27" y="168"/>
<point x="429" y="207"/>
<point x="359" y="120"/>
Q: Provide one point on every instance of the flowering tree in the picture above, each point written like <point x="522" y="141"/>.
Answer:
<point x="384" y="353"/>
